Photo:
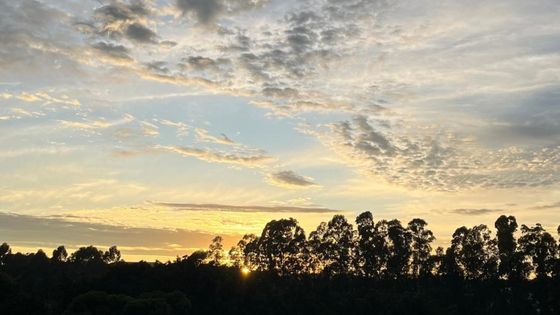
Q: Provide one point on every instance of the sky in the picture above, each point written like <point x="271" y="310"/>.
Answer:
<point x="157" y="124"/>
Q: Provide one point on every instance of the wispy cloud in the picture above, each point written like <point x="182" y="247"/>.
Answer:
<point x="289" y="179"/>
<point x="96" y="124"/>
<point x="470" y="212"/>
<point x="247" y="160"/>
<point x="232" y="208"/>
<point x="203" y="135"/>
<point x="40" y="97"/>
<point x="182" y="128"/>
<point x="52" y="231"/>
<point x="555" y="205"/>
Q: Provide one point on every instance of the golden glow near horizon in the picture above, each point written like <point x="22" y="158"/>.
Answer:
<point x="196" y="123"/>
<point x="245" y="271"/>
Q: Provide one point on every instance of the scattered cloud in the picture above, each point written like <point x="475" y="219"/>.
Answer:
<point x="208" y="11"/>
<point x="289" y="179"/>
<point x="555" y="205"/>
<point x="252" y="161"/>
<point x="231" y="208"/>
<point x="203" y="135"/>
<point x="182" y="128"/>
<point x="96" y="124"/>
<point x="417" y="97"/>
<point x="471" y="212"/>
<point x="149" y="129"/>
<point x="442" y="162"/>
<point x="114" y="51"/>
<point x="41" y="97"/>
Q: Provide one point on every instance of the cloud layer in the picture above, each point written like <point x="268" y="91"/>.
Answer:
<point x="385" y="103"/>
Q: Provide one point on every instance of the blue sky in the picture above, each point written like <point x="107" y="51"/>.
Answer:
<point x="125" y="116"/>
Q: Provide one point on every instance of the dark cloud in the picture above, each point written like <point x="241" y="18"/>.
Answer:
<point x="208" y="11"/>
<point x="473" y="212"/>
<point x="115" y="51"/>
<point x="533" y="118"/>
<point x="277" y="92"/>
<point x="231" y="208"/>
<point x="370" y="140"/>
<point x="205" y="11"/>
<point x="301" y="38"/>
<point x="140" y="33"/>
<point x="126" y="19"/>
<point x="290" y="179"/>
<point x="36" y="39"/>
<point x="119" y="11"/>
<point x="157" y="66"/>
<point x="53" y="231"/>
<point x="207" y="65"/>
<point x="555" y="205"/>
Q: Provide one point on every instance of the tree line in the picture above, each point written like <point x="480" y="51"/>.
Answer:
<point x="361" y="267"/>
<point x="385" y="249"/>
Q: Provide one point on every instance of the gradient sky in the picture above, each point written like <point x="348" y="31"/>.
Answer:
<point x="156" y="124"/>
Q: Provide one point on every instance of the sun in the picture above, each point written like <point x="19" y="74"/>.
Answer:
<point x="245" y="271"/>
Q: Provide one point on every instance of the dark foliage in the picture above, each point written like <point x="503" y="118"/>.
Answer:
<point x="380" y="268"/>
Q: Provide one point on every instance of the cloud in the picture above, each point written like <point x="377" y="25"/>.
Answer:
<point x="252" y="161"/>
<point x="140" y="33"/>
<point x="474" y="212"/>
<point x="45" y="232"/>
<point x="231" y="208"/>
<point x="43" y="97"/>
<point x="199" y="63"/>
<point x="117" y="52"/>
<point x="555" y="205"/>
<point x="203" y="135"/>
<point x="149" y="129"/>
<point x="96" y="124"/>
<point x="182" y="128"/>
<point x="208" y="11"/>
<point x="431" y="103"/>
<point x="443" y="162"/>
<point x="289" y="179"/>
<point x="124" y="19"/>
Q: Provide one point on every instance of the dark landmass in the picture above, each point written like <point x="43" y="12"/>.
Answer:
<point x="379" y="268"/>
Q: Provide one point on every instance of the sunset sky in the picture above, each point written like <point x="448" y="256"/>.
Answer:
<point x="155" y="125"/>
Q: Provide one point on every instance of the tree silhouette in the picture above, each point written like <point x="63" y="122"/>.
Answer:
<point x="216" y="251"/>
<point x="280" y="247"/>
<point x="113" y="255"/>
<point x="539" y="247"/>
<point x="556" y="264"/>
<point x="400" y="250"/>
<point x="451" y="265"/>
<point x="334" y="244"/>
<point x="88" y="254"/>
<point x="316" y="248"/>
<point x="435" y="264"/>
<point x="512" y="263"/>
<point x="381" y="249"/>
<point x="238" y="254"/>
<point x="379" y="268"/>
<point x="478" y="254"/>
<point x="60" y="254"/>
<point x="421" y="247"/>
<point x="196" y="258"/>
<point x="366" y="261"/>
<point x="4" y="250"/>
